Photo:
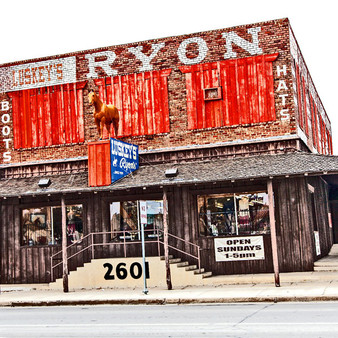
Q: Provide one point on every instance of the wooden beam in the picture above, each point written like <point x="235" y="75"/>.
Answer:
<point x="273" y="233"/>
<point x="165" y="239"/>
<point x="64" y="245"/>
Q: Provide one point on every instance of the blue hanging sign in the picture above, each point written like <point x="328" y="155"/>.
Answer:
<point x="124" y="159"/>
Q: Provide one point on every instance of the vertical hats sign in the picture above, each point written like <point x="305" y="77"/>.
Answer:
<point x="124" y="159"/>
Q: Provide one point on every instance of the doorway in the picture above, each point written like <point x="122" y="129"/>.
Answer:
<point x="334" y="218"/>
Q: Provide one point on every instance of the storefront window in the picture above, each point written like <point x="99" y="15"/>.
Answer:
<point x="42" y="226"/>
<point x="233" y="214"/>
<point x="124" y="219"/>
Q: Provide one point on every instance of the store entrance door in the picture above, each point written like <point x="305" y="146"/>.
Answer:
<point x="334" y="218"/>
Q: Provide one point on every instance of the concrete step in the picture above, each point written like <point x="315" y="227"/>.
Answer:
<point x="190" y="267"/>
<point x="327" y="261"/>
<point x="175" y="260"/>
<point x="199" y="271"/>
<point x="162" y="258"/>
<point x="207" y="274"/>
<point x="182" y="264"/>
<point x="325" y="268"/>
<point x="334" y="250"/>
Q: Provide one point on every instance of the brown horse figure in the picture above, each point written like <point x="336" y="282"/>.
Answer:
<point x="104" y="114"/>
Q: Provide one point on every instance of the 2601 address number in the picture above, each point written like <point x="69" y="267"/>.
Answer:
<point x="121" y="272"/>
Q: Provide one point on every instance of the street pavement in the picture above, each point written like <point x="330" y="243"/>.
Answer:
<point x="304" y="286"/>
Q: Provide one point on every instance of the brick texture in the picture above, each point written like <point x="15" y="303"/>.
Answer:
<point x="203" y="47"/>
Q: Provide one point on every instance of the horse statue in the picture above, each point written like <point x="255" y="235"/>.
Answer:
<point x="104" y="114"/>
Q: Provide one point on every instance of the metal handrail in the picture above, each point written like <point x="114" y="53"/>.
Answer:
<point x="123" y="234"/>
<point x="197" y="247"/>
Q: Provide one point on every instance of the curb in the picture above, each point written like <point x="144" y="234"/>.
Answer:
<point x="164" y="301"/>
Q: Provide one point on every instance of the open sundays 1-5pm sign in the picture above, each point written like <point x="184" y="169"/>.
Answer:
<point x="124" y="159"/>
<point x="239" y="248"/>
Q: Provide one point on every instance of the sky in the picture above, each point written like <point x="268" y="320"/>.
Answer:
<point x="37" y="28"/>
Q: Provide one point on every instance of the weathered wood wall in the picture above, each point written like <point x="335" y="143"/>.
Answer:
<point x="24" y="264"/>
<point x="183" y="220"/>
<point x="142" y="101"/>
<point x="296" y="250"/>
<point x="322" y="205"/>
<point x="295" y="223"/>
<point x="244" y="85"/>
<point x="41" y="116"/>
<point x="21" y="264"/>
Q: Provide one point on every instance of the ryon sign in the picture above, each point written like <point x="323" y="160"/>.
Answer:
<point x="229" y="39"/>
<point x="124" y="159"/>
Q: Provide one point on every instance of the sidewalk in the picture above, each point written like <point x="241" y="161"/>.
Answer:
<point x="307" y="286"/>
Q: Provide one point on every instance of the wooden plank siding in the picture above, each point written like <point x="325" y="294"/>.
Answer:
<point x="183" y="222"/>
<point x="48" y="116"/>
<point x="321" y="198"/>
<point x="294" y="225"/>
<point x="99" y="171"/>
<point x="142" y="101"/>
<point x="247" y="92"/>
<point x="320" y="135"/>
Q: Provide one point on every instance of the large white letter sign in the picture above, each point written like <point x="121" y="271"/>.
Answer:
<point x="251" y="47"/>
<point x="105" y="64"/>
<point x="137" y="51"/>
<point x="202" y="51"/>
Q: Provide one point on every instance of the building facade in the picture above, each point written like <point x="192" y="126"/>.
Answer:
<point x="219" y="118"/>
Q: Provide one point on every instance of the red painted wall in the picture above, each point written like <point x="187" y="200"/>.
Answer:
<point x="246" y="92"/>
<point x="99" y="172"/>
<point x="48" y="116"/>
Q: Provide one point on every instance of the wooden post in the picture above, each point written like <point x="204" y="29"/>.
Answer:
<point x="166" y="239"/>
<point x="64" y="245"/>
<point x="273" y="233"/>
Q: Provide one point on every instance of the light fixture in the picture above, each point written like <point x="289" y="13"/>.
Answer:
<point x="173" y="172"/>
<point x="44" y="182"/>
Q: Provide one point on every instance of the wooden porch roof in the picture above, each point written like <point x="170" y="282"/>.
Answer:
<point x="197" y="172"/>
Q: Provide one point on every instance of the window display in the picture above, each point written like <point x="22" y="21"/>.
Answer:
<point x="124" y="220"/>
<point x="233" y="214"/>
<point x="43" y="226"/>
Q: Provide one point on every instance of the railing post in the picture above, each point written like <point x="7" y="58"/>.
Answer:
<point x="158" y="242"/>
<point x="64" y="244"/>
<point x="199" y="258"/>
<point x="51" y="268"/>
<point x="166" y="239"/>
<point x="124" y="244"/>
<point x="273" y="233"/>
<point x="92" y="240"/>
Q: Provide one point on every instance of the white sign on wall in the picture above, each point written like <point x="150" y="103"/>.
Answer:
<point x="143" y="212"/>
<point x="239" y="248"/>
<point x="317" y="243"/>
<point x="38" y="74"/>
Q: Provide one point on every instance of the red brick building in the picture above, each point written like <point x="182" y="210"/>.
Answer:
<point x="201" y="103"/>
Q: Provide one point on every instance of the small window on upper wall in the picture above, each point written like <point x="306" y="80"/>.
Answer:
<point x="212" y="93"/>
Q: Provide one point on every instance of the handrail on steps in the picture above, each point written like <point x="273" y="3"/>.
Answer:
<point x="126" y="237"/>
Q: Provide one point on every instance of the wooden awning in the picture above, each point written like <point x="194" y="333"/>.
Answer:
<point x="196" y="172"/>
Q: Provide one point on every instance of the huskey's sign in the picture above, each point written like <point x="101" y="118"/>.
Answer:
<point x="38" y="74"/>
<point x="124" y="159"/>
